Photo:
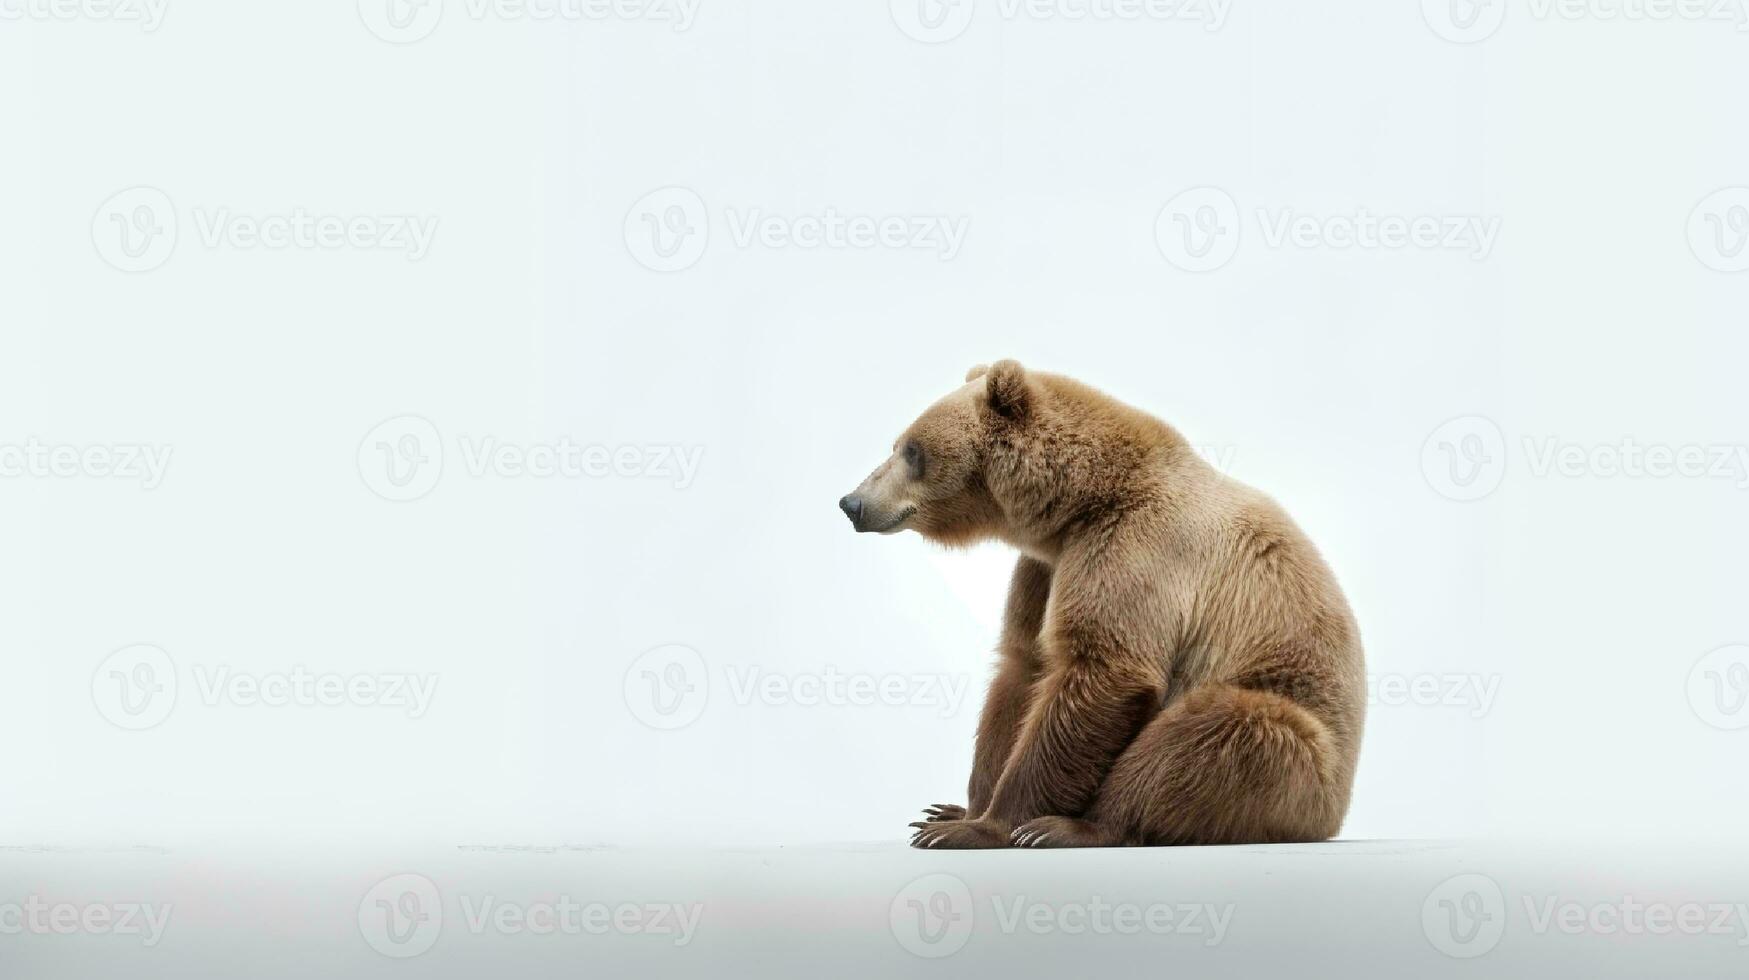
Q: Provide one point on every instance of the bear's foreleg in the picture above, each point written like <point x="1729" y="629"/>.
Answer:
<point x="1081" y="717"/>
<point x="1010" y="690"/>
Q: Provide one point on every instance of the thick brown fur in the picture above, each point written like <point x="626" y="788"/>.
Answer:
<point x="1177" y="664"/>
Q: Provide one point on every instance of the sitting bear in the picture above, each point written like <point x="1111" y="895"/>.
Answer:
<point x="1177" y="664"/>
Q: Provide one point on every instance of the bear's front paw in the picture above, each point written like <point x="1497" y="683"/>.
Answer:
<point x="961" y="835"/>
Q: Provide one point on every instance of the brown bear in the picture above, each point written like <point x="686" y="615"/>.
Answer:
<point x="1177" y="664"/>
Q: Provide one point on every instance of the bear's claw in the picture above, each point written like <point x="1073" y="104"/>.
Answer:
<point x="945" y="811"/>
<point x="960" y="834"/>
<point x="1058" y="832"/>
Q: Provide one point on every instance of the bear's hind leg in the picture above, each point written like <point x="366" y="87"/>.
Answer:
<point x="1224" y="765"/>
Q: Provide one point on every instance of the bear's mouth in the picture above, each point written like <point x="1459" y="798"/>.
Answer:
<point x="894" y="524"/>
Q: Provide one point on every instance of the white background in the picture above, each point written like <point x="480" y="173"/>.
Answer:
<point x="1603" y="312"/>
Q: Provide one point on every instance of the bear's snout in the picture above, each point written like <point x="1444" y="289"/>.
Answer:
<point x="851" y="505"/>
<point x="869" y="513"/>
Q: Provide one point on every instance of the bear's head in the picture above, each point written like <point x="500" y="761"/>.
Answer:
<point x="936" y="481"/>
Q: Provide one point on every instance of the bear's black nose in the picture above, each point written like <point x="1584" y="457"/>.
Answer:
<point x="851" y="505"/>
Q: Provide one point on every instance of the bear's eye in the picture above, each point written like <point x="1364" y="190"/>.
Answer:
<point x="914" y="459"/>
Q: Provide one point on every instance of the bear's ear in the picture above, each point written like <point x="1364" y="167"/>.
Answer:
<point x="1007" y="389"/>
<point x="976" y="371"/>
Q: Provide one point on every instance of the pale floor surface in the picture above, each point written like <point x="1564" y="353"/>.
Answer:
<point x="1339" y="909"/>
